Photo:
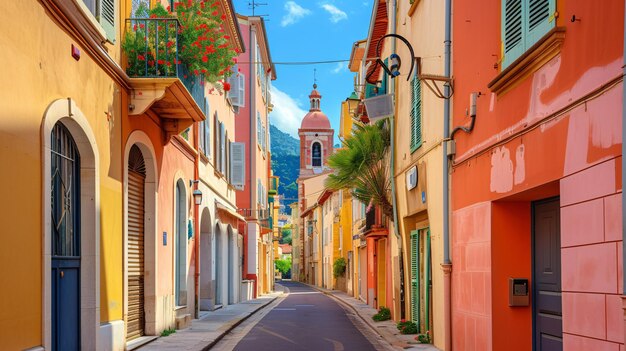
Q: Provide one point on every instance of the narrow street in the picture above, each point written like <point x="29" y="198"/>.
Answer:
<point x="304" y="320"/>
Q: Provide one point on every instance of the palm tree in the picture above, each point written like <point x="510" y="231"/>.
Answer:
<point x="363" y="166"/>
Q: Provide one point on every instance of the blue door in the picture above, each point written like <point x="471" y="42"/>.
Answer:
<point x="65" y="227"/>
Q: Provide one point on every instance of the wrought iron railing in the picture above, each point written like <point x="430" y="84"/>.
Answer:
<point x="151" y="47"/>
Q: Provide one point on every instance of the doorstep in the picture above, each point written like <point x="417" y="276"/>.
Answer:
<point x="139" y="342"/>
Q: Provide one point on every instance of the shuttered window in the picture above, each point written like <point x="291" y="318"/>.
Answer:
<point x="416" y="113"/>
<point x="216" y="143"/>
<point x="421" y="281"/>
<point x="222" y="166"/>
<point x="106" y="17"/>
<point x="524" y="22"/>
<point x="237" y="165"/>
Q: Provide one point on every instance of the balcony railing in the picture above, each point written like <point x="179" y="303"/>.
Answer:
<point x="151" y="47"/>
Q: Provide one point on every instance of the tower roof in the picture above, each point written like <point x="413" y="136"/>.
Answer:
<point x="315" y="119"/>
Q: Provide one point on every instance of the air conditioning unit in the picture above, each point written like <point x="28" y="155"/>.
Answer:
<point x="379" y="107"/>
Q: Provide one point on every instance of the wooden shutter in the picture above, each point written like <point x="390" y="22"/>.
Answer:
<point x="216" y="142"/>
<point x="385" y="81"/>
<point x="242" y="90"/>
<point x="512" y="30"/>
<point x="540" y="19"/>
<point x="222" y="148"/>
<point x="416" y="114"/>
<point x="233" y="94"/>
<point x="238" y="165"/>
<point x="206" y="130"/>
<point x="370" y="90"/>
<point x="106" y="17"/>
<point x="415" y="277"/>
<point x="136" y="196"/>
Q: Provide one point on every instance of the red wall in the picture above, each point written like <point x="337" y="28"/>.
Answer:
<point x="557" y="131"/>
<point x="242" y="119"/>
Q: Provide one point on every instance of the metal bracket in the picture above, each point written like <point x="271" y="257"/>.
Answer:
<point x="435" y="88"/>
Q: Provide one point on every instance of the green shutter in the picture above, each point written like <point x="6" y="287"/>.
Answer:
<point x="383" y="86"/>
<point x="524" y="22"/>
<point x="427" y="281"/>
<point x="540" y="15"/>
<point x="416" y="113"/>
<point x="370" y="90"/>
<point x="415" y="308"/>
<point x="106" y="17"/>
<point x="512" y="30"/>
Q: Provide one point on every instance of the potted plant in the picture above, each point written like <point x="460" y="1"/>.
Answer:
<point x="191" y="34"/>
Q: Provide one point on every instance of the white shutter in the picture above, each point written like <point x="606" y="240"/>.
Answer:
<point x="233" y="94"/>
<point x="106" y="17"/>
<point x="242" y="90"/>
<point x="238" y="165"/>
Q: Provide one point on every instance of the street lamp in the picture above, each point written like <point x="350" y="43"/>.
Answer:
<point x="353" y="102"/>
<point x="197" y="197"/>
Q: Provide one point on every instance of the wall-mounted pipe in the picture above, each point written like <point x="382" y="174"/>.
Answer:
<point x="447" y="264"/>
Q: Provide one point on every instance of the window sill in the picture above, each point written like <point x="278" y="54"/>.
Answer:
<point x="413" y="7"/>
<point x="534" y="58"/>
<point x="204" y="158"/>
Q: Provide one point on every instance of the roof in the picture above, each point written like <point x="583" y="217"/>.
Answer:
<point x="315" y="120"/>
<point x="324" y="196"/>
<point x="378" y="28"/>
<point x="358" y="49"/>
<point x="286" y="248"/>
<point x="232" y="26"/>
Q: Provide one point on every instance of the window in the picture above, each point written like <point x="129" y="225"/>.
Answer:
<point x="104" y="12"/>
<point x="216" y="143"/>
<point x="524" y="22"/>
<point x="416" y="113"/>
<point x="204" y="133"/>
<point x="421" y="281"/>
<point x="222" y="166"/>
<point x="181" y="245"/>
<point x="258" y="127"/>
<point x="316" y="154"/>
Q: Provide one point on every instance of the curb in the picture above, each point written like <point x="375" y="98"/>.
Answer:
<point x="329" y="293"/>
<point x="236" y="324"/>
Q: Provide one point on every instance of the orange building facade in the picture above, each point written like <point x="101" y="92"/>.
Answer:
<point x="536" y="184"/>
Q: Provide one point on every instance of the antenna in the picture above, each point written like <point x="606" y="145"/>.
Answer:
<point x="253" y="5"/>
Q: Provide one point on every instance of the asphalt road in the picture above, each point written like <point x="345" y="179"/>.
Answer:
<point x="305" y="320"/>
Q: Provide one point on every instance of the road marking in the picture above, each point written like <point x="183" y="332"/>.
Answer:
<point x="284" y="309"/>
<point x="337" y="346"/>
<point x="276" y="334"/>
<point x="304" y="293"/>
<point x="305" y="305"/>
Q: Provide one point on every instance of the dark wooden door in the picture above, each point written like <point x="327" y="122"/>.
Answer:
<point x="547" y="310"/>
<point x="65" y="234"/>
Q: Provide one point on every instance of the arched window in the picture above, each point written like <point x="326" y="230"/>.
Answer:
<point x="316" y="154"/>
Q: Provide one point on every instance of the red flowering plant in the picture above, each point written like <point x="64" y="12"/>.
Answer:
<point x="195" y="26"/>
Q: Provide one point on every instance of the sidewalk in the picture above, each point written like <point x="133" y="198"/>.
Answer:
<point x="386" y="329"/>
<point x="211" y="327"/>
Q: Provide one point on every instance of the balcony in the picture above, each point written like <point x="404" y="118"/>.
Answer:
<point x="375" y="223"/>
<point x="160" y="82"/>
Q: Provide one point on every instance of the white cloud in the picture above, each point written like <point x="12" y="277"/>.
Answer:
<point x="287" y="114"/>
<point x="336" y="14"/>
<point x="340" y="67"/>
<point x="294" y="13"/>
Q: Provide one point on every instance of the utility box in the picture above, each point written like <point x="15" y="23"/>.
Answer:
<point x="519" y="292"/>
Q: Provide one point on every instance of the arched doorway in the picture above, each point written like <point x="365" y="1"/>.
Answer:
<point x="64" y="113"/>
<point x="66" y="237"/>
<point x="135" y="244"/>
<point x="207" y="294"/>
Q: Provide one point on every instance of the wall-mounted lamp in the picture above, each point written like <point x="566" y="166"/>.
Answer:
<point x="197" y="196"/>
<point x="353" y="102"/>
<point x="393" y="70"/>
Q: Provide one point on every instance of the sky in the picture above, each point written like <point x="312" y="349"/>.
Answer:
<point x="310" y="30"/>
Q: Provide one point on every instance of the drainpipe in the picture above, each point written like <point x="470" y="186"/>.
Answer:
<point x="447" y="264"/>
<point x="396" y="229"/>
<point x="196" y="224"/>
<point x="624" y="170"/>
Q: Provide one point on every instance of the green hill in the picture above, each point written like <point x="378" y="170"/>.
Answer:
<point x="285" y="164"/>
